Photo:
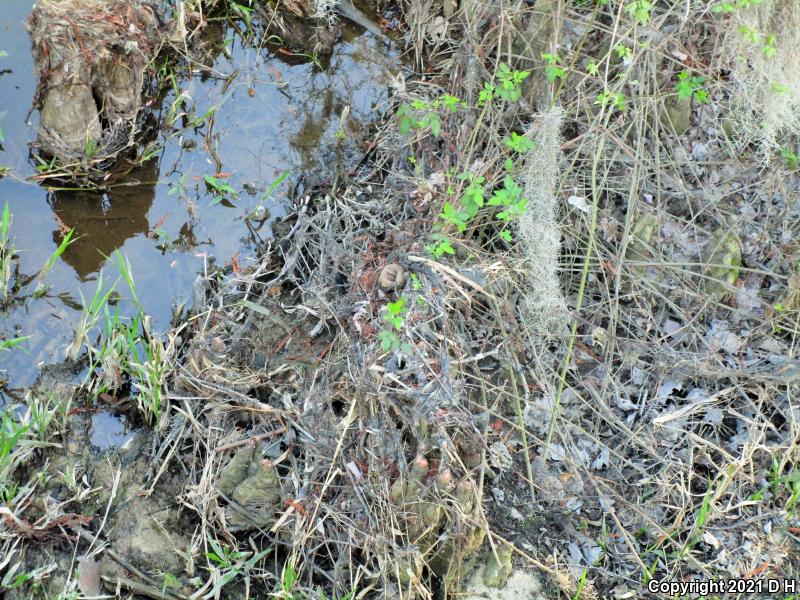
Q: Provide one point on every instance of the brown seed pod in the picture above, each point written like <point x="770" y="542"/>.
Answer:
<point x="392" y="277"/>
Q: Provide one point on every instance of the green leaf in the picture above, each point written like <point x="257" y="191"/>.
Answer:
<point x="518" y="143"/>
<point x="276" y="183"/>
<point x="397" y="307"/>
<point x="486" y="94"/>
<point x="404" y="120"/>
<point x="289" y="577"/>
<point x="451" y="102"/>
<point x="435" y="123"/>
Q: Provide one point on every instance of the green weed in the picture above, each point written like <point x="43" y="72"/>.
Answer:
<point x="691" y="87"/>
<point x="230" y="564"/>
<point x="725" y="6"/>
<point x="395" y="318"/>
<point x="441" y="245"/>
<point x="419" y="115"/>
<point x="509" y="199"/>
<point x="617" y="99"/>
<point x="640" y="10"/>
<point x="51" y="261"/>
<point x="518" y="143"/>
<point x="552" y="70"/>
<point x="90" y="148"/>
<point x="220" y="188"/>
<point x="274" y="185"/>
<point x="623" y="52"/>
<point x="12" y="343"/>
<point x="510" y="87"/>
<point x="7" y="252"/>
<point x="790" y="156"/>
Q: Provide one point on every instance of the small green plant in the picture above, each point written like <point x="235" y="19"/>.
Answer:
<point x="288" y="579"/>
<point x="750" y="34"/>
<point x="691" y="87"/>
<point x="457" y="218"/>
<point x="11" y="343"/>
<point x="510" y="87"/>
<point x="244" y="12"/>
<point x="581" y="585"/>
<point x="473" y="198"/>
<point x="90" y="148"/>
<point x="640" y="10"/>
<point x="13" y="578"/>
<point x="552" y="71"/>
<point x="486" y="94"/>
<point x="779" y="88"/>
<point x="45" y="166"/>
<point x="451" y="103"/>
<point x="790" y="156"/>
<point x="407" y="119"/>
<point x="170" y="582"/>
<point x="421" y="115"/>
<point x="593" y="67"/>
<point x="12" y="432"/>
<point x="513" y="205"/>
<point x="769" y="48"/>
<point x="197" y="121"/>
<point x="230" y="564"/>
<point x="220" y="188"/>
<point x="394" y="313"/>
<point x="70" y="477"/>
<point x="395" y="317"/>
<point x="623" y="52"/>
<point x="7" y="252"/>
<point x="441" y="245"/>
<point x="274" y="185"/>
<point x="51" y="261"/>
<point x="617" y="99"/>
<point x="518" y="143"/>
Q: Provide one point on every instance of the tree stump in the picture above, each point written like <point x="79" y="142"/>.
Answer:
<point x="90" y="57"/>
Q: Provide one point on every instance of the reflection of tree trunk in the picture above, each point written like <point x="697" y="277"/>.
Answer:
<point x="90" y="57"/>
<point x="104" y="221"/>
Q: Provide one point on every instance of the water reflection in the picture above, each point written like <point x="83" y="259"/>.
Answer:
<point x="103" y="221"/>
<point x="273" y="114"/>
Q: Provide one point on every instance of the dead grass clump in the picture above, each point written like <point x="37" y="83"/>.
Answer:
<point x="760" y="47"/>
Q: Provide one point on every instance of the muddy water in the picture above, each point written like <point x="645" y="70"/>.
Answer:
<point x="273" y="114"/>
